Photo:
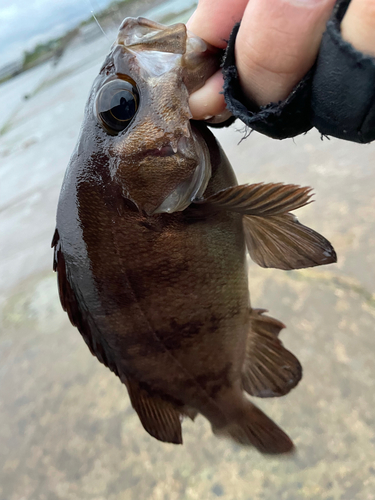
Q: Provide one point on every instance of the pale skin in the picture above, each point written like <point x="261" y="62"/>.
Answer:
<point x="277" y="43"/>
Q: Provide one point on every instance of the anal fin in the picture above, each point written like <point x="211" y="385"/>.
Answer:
<point x="269" y="370"/>
<point x="160" y="419"/>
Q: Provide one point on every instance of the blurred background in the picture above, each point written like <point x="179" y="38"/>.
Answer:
<point x="67" y="430"/>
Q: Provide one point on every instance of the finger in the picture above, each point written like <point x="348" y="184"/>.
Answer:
<point x="214" y="20"/>
<point x="358" y="25"/>
<point x="208" y="101"/>
<point x="277" y="44"/>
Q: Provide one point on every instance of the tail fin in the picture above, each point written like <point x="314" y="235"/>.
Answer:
<point x="253" y="428"/>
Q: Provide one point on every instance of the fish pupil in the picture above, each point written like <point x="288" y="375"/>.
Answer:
<point x="123" y="106"/>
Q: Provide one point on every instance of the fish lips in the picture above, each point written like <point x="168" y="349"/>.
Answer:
<point x="170" y="177"/>
<point x="193" y="186"/>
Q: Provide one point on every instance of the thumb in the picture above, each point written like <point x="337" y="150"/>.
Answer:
<point x="358" y="25"/>
<point x="277" y="44"/>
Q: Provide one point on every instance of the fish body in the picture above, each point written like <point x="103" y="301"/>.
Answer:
<point x="150" y="246"/>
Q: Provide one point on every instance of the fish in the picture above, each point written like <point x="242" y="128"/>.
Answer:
<point x="151" y="241"/>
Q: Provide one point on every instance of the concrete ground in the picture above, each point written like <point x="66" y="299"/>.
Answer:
<point x="67" y="430"/>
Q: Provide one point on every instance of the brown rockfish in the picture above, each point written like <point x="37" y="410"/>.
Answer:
<point x="150" y="246"/>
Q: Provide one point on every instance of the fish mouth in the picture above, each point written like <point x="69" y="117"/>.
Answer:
<point x="179" y="146"/>
<point x="162" y="152"/>
<point x="193" y="187"/>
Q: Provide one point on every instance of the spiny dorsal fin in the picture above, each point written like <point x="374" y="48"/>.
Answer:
<point x="280" y="241"/>
<point x="77" y="312"/>
<point x="159" y="417"/>
<point x="269" y="369"/>
<point x="260" y="199"/>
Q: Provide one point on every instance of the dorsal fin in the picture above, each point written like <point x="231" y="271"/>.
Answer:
<point x="160" y="418"/>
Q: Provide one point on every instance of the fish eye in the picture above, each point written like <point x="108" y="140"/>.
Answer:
<point x="117" y="104"/>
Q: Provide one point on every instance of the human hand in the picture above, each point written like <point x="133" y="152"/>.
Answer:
<point x="276" y="45"/>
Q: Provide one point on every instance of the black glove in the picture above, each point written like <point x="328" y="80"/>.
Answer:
<point x="337" y="96"/>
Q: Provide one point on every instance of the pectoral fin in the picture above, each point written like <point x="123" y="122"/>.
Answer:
<point x="269" y="369"/>
<point x="280" y="241"/>
<point x="274" y="237"/>
<point x="159" y="417"/>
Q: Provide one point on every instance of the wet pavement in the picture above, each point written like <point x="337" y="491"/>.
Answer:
<point x="67" y="430"/>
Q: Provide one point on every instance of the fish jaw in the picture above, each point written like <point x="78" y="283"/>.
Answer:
<point x="159" y="163"/>
<point x="166" y="174"/>
<point x="192" y="188"/>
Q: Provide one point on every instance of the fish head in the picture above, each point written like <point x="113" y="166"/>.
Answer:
<point x="139" y="103"/>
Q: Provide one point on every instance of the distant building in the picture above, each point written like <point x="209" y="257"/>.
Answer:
<point x="10" y="69"/>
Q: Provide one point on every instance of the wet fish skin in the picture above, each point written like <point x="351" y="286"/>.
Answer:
<point x="157" y="287"/>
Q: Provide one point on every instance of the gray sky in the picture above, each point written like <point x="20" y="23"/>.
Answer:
<point x="23" y="23"/>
